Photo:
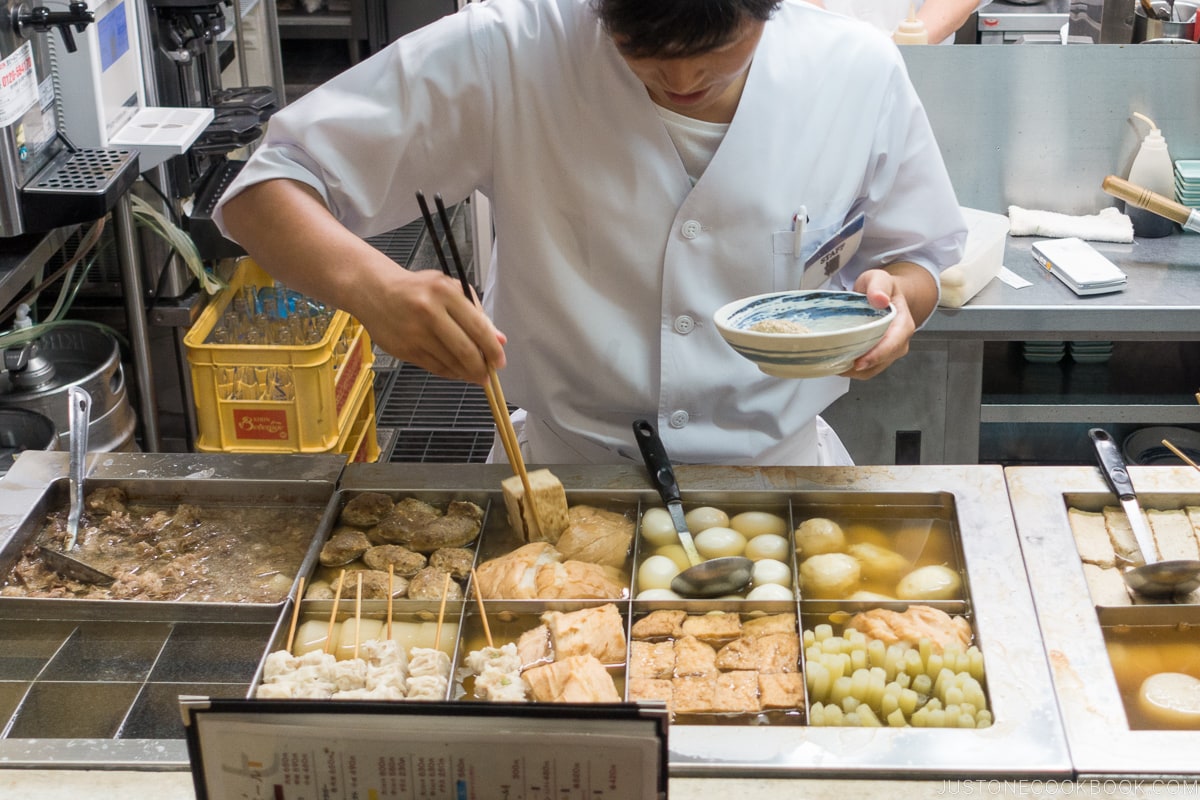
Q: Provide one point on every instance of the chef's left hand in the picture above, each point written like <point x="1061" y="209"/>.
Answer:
<point x="913" y="292"/>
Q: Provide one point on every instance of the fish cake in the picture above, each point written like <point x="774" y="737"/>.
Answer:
<point x="719" y="627"/>
<point x="693" y="657"/>
<point x="781" y="690"/>
<point x="664" y="623"/>
<point x="736" y="692"/>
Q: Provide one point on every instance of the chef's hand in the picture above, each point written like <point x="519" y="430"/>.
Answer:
<point x="422" y="317"/>
<point x="913" y="292"/>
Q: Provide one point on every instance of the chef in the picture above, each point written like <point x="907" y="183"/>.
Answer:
<point x="647" y="162"/>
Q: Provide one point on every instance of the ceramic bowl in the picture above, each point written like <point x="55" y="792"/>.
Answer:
<point x="840" y="327"/>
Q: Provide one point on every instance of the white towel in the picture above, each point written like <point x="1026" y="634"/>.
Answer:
<point x="1110" y="225"/>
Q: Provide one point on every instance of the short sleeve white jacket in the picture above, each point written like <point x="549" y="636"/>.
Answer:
<point x="608" y="264"/>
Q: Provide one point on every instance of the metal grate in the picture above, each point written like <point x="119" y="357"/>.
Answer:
<point x="441" y="447"/>
<point x="422" y="401"/>
<point x="82" y="172"/>
<point x="400" y="244"/>
<point x="431" y="419"/>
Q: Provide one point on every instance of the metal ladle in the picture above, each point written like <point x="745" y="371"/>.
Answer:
<point x="79" y="418"/>
<point x="711" y="578"/>
<point x="1152" y="578"/>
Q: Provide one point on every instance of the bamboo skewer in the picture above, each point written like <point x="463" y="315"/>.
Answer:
<point x="487" y="631"/>
<point x="495" y="395"/>
<point x="437" y="636"/>
<point x="1181" y="454"/>
<point x="391" y="573"/>
<point x="357" y="613"/>
<point x="295" y="614"/>
<point x="337" y="595"/>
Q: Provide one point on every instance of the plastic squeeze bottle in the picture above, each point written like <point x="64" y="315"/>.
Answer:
<point x="1152" y="169"/>
<point x="911" y="30"/>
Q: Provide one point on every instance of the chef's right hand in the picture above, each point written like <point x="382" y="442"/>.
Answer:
<point x="422" y="317"/>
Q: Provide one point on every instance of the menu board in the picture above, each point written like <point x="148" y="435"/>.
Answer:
<point x="320" y="750"/>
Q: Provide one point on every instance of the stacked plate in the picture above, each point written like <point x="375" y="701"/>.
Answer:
<point x="1044" y="352"/>
<point x="1091" y="352"/>
<point x="1144" y="446"/>
<point x="1187" y="183"/>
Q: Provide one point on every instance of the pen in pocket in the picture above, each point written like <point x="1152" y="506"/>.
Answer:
<point x="799" y="220"/>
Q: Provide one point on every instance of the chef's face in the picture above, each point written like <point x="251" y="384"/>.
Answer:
<point x="705" y="86"/>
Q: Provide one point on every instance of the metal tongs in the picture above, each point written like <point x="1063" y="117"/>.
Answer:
<point x="79" y="418"/>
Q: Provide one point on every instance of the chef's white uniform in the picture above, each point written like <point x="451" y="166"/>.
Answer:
<point x="608" y="263"/>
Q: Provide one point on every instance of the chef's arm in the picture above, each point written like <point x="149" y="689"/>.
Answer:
<point x="943" y="18"/>
<point x="913" y="291"/>
<point x="418" y="316"/>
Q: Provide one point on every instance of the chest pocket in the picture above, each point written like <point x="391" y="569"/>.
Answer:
<point x="788" y="265"/>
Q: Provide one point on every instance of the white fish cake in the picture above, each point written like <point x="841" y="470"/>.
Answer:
<point x="1091" y="538"/>
<point x="1121" y="535"/>
<point x="1173" y="535"/>
<point x="1106" y="586"/>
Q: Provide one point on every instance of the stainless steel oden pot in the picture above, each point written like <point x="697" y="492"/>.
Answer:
<point x="36" y="377"/>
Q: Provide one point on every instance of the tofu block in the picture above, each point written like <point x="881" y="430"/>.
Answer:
<point x="738" y="654"/>
<point x="1173" y="535"/>
<point x="777" y="652"/>
<point x="736" y="692"/>
<point x="1193" y="513"/>
<point x="652" y="660"/>
<point x="775" y="623"/>
<point x="693" y="657"/>
<point x="1123" y="542"/>
<point x="664" y="623"/>
<point x="550" y="500"/>
<point x="712" y="628"/>
<point x="693" y="695"/>
<point x="651" y="689"/>
<point x="781" y="690"/>
<point x="1091" y="538"/>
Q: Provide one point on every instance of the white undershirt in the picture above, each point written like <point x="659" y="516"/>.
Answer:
<point x="695" y="140"/>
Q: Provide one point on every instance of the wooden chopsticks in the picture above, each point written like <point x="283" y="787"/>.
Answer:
<point x="492" y="390"/>
<point x="1181" y="454"/>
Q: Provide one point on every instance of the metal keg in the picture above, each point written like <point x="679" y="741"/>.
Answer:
<point x="37" y="374"/>
<point x="21" y="430"/>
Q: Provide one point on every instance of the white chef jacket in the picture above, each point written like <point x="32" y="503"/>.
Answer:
<point x="607" y="263"/>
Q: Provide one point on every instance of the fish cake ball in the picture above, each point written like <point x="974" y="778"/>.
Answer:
<point x="656" y="572"/>
<point x="768" y="570"/>
<point x="818" y="535"/>
<point x="758" y="523"/>
<point x="767" y="545"/>
<point x="657" y="527"/>
<point x="829" y="576"/>
<point x="935" y="582"/>
<point x="676" y="553"/>
<point x="719" y="542"/>
<point x="704" y="517"/>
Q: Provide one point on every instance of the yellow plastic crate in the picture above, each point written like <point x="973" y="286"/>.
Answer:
<point x="360" y="443"/>
<point x="274" y="398"/>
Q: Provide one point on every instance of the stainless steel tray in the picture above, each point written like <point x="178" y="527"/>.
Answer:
<point x="164" y="487"/>
<point x="1099" y="736"/>
<point x="95" y="683"/>
<point x="1027" y="738"/>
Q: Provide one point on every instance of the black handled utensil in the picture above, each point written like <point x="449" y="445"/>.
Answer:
<point x="712" y="578"/>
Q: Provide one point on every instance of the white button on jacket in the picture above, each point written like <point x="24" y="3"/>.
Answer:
<point x="528" y="101"/>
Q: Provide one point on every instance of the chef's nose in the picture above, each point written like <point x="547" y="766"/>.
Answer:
<point x="681" y="75"/>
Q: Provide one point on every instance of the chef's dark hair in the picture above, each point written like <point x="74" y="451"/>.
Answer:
<point x="677" y="28"/>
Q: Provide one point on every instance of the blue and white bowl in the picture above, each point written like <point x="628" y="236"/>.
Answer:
<point x="841" y="326"/>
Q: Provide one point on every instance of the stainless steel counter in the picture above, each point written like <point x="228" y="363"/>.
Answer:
<point x="1100" y="738"/>
<point x="1005" y="23"/>
<point x="1025" y="741"/>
